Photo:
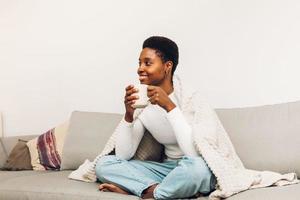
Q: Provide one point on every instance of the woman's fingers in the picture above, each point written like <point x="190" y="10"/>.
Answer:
<point x="153" y="100"/>
<point x="129" y="102"/>
<point x="132" y="97"/>
<point x="129" y="87"/>
<point x="151" y="93"/>
<point x="129" y="99"/>
<point x="130" y="90"/>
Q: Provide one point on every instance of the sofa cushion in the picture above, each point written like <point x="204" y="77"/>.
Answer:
<point x="50" y="185"/>
<point x="265" y="137"/>
<point x="6" y="175"/>
<point x="88" y="133"/>
<point x="56" y="186"/>
<point x="290" y="192"/>
<point x="19" y="157"/>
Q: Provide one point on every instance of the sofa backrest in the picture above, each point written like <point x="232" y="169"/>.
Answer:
<point x="10" y="142"/>
<point x="265" y="137"/>
<point x="87" y="135"/>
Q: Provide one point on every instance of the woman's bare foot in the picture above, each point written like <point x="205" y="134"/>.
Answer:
<point x="112" y="188"/>
<point x="148" y="193"/>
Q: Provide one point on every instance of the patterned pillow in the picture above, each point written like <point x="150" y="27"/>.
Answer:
<point x="46" y="149"/>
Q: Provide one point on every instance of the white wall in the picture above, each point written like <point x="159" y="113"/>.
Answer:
<point x="63" y="55"/>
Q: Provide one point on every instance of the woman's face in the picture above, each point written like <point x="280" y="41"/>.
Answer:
<point x="151" y="68"/>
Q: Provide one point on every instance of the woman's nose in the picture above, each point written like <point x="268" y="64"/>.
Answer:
<point x="140" y="69"/>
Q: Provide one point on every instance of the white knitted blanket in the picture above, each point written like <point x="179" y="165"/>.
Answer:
<point x="212" y="143"/>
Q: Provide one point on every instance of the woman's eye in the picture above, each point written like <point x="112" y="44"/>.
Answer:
<point x="148" y="63"/>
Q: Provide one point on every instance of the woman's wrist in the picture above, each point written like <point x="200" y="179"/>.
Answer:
<point x="128" y="118"/>
<point x="170" y="106"/>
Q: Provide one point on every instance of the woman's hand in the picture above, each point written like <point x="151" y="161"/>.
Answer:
<point x="129" y="100"/>
<point x="158" y="96"/>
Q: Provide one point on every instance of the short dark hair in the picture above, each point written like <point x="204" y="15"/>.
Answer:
<point x="165" y="48"/>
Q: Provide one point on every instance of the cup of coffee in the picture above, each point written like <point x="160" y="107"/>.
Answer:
<point x="143" y="99"/>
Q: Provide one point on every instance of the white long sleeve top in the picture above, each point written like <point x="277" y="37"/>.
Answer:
<point x="168" y="128"/>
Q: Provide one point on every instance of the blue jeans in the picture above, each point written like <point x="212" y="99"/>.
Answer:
<point x="180" y="178"/>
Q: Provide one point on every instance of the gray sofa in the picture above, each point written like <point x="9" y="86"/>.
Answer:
<point x="265" y="137"/>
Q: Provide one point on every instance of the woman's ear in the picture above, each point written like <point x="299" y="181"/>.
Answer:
<point x="169" y="66"/>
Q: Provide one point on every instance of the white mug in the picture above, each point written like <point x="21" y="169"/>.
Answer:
<point x="143" y="99"/>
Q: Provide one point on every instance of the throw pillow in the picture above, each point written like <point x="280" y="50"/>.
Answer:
<point x="46" y="149"/>
<point x="19" y="158"/>
<point x="149" y="149"/>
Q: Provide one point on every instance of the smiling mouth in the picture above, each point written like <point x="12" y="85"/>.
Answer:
<point x="142" y="77"/>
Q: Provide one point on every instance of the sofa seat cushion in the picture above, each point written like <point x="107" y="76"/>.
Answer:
<point x="46" y="185"/>
<point x="7" y="175"/>
<point x="53" y="185"/>
<point x="290" y="192"/>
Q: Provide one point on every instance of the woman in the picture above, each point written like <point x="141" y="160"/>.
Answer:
<point x="178" y="176"/>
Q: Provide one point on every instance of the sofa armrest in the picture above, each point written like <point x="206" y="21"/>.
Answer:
<point x="1" y="126"/>
<point x="3" y="153"/>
